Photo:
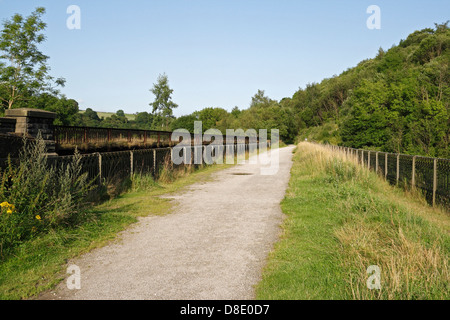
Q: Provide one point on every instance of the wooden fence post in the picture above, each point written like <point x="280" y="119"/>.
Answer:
<point x="434" y="180"/>
<point x="368" y="160"/>
<point x="413" y="173"/>
<point x="385" y="165"/>
<point x="376" y="162"/>
<point x="398" y="167"/>
<point x="131" y="164"/>
<point x="100" y="168"/>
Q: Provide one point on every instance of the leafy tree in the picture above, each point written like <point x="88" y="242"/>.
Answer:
<point x="260" y="99"/>
<point x="184" y="122"/>
<point x="236" y="112"/>
<point x="23" y="67"/>
<point x="144" y="120"/>
<point x="120" y="113"/>
<point x="91" y="114"/>
<point x="117" y="120"/>
<point x="210" y="118"/>
<point x="163" y="105"/>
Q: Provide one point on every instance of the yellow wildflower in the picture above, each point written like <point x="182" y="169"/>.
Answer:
<point x="9" y="211"/>
<point x="38" y="217"/>
<point x="4" y="204"/>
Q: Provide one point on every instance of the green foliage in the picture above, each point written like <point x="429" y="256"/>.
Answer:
<point x="40" y="196"/>
<point x="212" y="118"/>
<point x="144" y="119"/>
<point x="23" y="68"/>
<point x="184" y="122"/>
<point x="66" y="109"/>
<point x="396" y="102"/>
<point x="162" y="105"/>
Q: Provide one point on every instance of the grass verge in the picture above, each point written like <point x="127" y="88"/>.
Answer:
<point x="39" y="264"/>
<point x="341" y="219"/>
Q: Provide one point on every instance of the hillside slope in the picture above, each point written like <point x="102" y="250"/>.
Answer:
<point x="395" y="102"/>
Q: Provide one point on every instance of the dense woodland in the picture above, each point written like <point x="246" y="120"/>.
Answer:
<point x="397" y="101"/>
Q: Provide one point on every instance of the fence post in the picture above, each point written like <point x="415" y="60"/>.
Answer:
<point x="385" y="165"/>
<point x="376" y="161"/>
<point x="85" y="135"/>
<point x="398" y="167"/>
<point x="154" y="162"/>
<point x="413" y="173"/>
<point x="185" y="156"/>
<point x="99" y="168"/>
<point x="368" y="160"/>
<point x="131" y="164"/>
<point x="434" y="180"/>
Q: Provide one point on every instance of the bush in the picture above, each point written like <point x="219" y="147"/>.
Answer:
<point x="37" y="195"/>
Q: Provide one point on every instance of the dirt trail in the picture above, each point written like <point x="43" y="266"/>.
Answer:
<point x="213" y="246"/>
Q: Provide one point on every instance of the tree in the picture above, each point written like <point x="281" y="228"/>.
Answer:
<point x="236" y="112"/>
<point x="144" y="120"/>
<point x="120" y="113"/>
<point x="259" y="99"/>
<point x="91" y="114"/>
<point x="65" y="109"/>
<point x="23" y="68"/>
<point x="184" y="122"/>
<point x="163" y="105"/>
<point x="210" y="118"/>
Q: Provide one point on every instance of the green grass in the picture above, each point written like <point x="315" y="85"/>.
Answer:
<point x="39" y="264"/>
<point x="340" y="220"/>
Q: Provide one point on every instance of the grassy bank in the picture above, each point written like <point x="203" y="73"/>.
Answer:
<point x="341" y="219"/>
<point x="326" y="133"/>
<point x="39" y="264"/>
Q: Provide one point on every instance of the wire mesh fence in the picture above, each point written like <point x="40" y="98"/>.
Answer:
<point x="391" y="168"/>
<point x="431" y="176"/>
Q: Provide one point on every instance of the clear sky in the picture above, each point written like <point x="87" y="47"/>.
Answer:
<point x="216" y="53"/>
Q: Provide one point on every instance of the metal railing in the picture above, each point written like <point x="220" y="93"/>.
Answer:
<point x="72" y="135"/>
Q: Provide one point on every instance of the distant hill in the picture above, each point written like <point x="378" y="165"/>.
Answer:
<point x="101" y="114"/>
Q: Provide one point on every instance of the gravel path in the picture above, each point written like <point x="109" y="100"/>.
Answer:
<point x="213" y="246"/>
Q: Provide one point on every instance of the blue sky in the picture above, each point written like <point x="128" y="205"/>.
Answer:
<point x="216" y="53"/>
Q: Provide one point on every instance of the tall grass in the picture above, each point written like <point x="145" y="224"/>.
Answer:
<point x="351" y="219"/>
<point x="37" y="196"/>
